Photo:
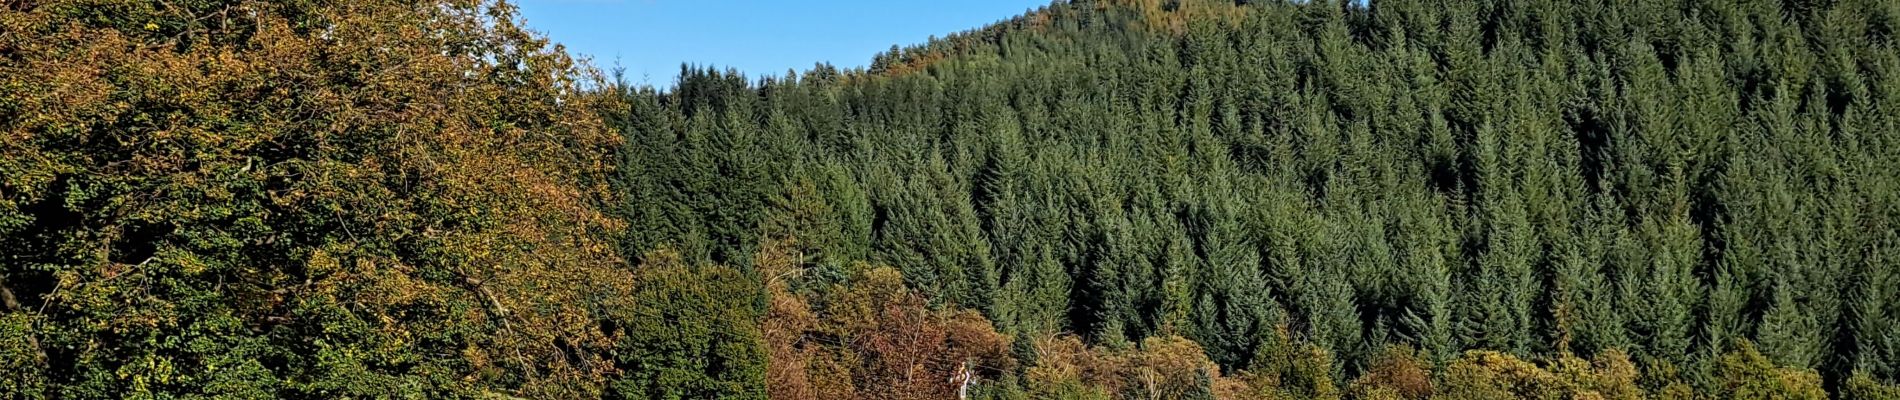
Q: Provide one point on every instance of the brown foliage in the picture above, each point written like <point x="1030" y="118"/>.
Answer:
<point x="1173" y="16"/>
<point x="1063" y="361"/>
<point x="788" y="318"/>
<point x="913" y="62"/>
<point x="874" y="338"/>
<point x="1400" y="371"/>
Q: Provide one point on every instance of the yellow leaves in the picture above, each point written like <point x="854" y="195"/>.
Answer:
<point x="186" y="262"/>
<point x="397" y="337"/>
<point x="1746" y="374"/>
<point x="144" y="372"/>
<point x="1610" y="375"/>
<point x="1491" y="374"/>
<point x="1167" y="366"/>
<point x="1861" y="386"/>
<point x="321" y="263"/>
<point x="477" y="357"/>
<point x="1397" y="373"/>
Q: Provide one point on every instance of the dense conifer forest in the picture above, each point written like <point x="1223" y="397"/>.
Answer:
<point x="1099" y="199"/>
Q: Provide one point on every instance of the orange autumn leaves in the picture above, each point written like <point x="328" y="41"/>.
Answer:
<point x="870" y="337"/>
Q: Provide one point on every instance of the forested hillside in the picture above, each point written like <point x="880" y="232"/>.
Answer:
<point x="1100" y="199"/>
<point x="1537" y="178"/>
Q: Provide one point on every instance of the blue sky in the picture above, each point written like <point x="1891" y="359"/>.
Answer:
<point x="650" y="38"/>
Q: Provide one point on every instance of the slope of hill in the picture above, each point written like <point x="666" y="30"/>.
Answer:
<point x="1538" y="178"/>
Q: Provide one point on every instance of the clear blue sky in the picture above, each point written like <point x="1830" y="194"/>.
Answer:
<point x="651" y="38"/>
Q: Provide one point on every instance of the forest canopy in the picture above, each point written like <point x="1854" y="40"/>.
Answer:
<point x="1099" y="199"/>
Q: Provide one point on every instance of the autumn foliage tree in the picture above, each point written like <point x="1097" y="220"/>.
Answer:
<point x="297" y="199"/>
<point x="869" y="336"/>
<point x="1169" y="367"/>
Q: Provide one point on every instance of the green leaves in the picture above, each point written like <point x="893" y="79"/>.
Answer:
<point x="377" y="199"/>
<point x="689" y="332"/>
<point x="246" y="199"/>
